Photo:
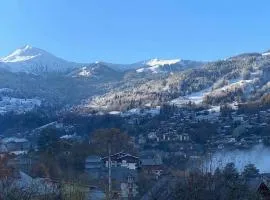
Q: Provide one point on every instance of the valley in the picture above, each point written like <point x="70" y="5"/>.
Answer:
<point x="171" y="117"/>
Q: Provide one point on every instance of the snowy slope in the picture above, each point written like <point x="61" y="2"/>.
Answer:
<point x="166" y="65"/>
<point x="154" y="65"/>
<point x="267" y="53"/>
<point x="34" y="60"/>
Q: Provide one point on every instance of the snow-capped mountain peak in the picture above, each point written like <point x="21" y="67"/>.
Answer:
<point x="27" y="52"/>
<point x="34" y="60"/>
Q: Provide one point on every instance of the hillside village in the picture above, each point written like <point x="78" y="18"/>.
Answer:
<point x="175" y="140"/>
<point x="164" y="120"/>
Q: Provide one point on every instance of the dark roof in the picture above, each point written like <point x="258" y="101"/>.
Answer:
<point x="119" y="155"/>
<point x="128" y="155"/>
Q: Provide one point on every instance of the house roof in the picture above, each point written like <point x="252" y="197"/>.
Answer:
<point x="120" y="155"/>
<point x="128" y="155"/>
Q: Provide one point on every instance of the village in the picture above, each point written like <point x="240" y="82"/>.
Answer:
<point x="169" y="147"/>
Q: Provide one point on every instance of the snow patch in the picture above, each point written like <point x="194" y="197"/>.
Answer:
<point x="214" y="109"/>
<point x="156" y="62"/>
<point x="266" y="54"/>
<point x="140" y="70"/>
<point x="142" y="112"/>
<point x="16" y="153"/>
<point x="14" y="139"/>
<point x="195" y="97"/>
<point x="67" y="137"/>
<point x="6" y="90"/>
<point x="84" y="72"/>
<point x="115" y="113"/>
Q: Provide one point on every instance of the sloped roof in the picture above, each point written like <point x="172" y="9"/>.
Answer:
<point x="119" y="155"/>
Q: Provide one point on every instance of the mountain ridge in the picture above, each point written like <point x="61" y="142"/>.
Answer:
<point x="30" y="59"/>
<point x="34" y="60"/>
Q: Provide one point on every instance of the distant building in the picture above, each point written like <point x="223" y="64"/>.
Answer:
<point x="22" y="163"/>
<point x="93" y="162"/>
<point x="153" y="166"/>
<point x="184" y="137"/>
<point x="93" y="166"/>
<point x="129" y="188"/>
<point x="123" y="160"/>
<point x="16" y="144"/>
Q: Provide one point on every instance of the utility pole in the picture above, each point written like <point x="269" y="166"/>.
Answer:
<point x="110" y="171"/>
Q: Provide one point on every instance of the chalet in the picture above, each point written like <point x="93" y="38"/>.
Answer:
<point x="166" y="137"/>
<point x="16" y="144"/>
<point x="22" y="163"/>
<point x="122" y="159"/>
<point x="129" y="188"/>
<point x="153" y="166"/>
<point x="153" y="136"/>
<point x="124" y="183"/>
<point x="184" y="137"/>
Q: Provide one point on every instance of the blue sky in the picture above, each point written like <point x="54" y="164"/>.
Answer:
<point x="125" y="31"/>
